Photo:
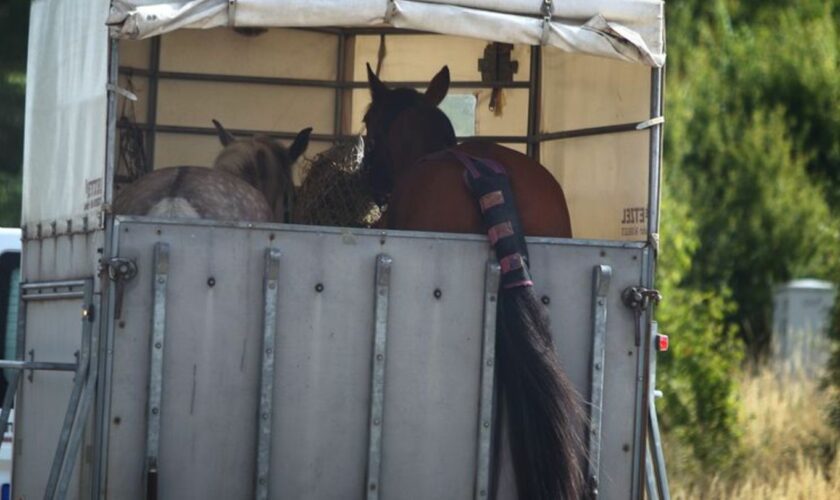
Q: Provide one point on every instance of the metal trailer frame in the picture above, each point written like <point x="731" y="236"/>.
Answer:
<point x="110" y="292"/>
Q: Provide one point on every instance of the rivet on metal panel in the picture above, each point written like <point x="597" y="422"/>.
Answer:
<point x="546" y="299"/>
<point x="211" y="282"/>
<point x="438" y="293"/>
<point x="319" y="287"/>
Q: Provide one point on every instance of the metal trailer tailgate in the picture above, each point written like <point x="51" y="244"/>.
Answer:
<point x="322" y="416"/>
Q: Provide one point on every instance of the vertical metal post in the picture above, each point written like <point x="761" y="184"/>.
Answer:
<point x="108" y="326"/>
<point x="382" y="282"/>
<point x="153" y="409"/>
<point x="656" y="465"/>
<point x="68" y="440"/>
<point x="86" y="403"/>
<point x="655" y="161"/>
<point x="640" y="406"/>
<point x="488" y="361"/>
<point x="110" y="243"/>
<point x="601" y="277"/>
<point x="339" y="89"/>
<point x="650" y="475"/>
<point x="111" y="126"/>
<point x="534" y="89"/>
<point x="270" y="286"/>
<point x="151" y="110"/>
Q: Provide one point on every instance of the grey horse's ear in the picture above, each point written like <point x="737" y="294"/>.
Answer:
<point x="300" y="143"/>
<point x="439" y="86"/>
<point x="377" y="88"/>
<point x="224" y="136"/>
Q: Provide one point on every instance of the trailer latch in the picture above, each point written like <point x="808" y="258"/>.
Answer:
<point x="639" y="299"/>
<point x="119" y="270"/>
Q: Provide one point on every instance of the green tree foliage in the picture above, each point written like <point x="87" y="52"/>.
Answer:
<point x="14" y="23"/>
<point x="752" y="193"/>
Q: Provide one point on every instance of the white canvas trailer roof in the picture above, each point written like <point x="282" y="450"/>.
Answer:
<point x="630" y="30"/>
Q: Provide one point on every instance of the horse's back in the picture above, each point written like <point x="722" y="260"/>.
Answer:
<point x="193" y="192"/>
<point x="432" y="195"/>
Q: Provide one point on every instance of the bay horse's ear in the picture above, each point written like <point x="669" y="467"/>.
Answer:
<point x="300" y="143"/>
<point x="439" y="86"/>
<point x="224" y="136"/>
<point x="377" y="88"/>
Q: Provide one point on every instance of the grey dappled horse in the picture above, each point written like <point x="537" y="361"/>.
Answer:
<point x="251" y="180"/>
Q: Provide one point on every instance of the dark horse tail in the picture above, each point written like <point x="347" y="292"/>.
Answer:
<point x="543" y="411"/>
<point x="544" y="416"/>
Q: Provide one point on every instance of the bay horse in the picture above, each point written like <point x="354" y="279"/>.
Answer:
<point x="251" y="180"/>
<point x="417" y="169"/>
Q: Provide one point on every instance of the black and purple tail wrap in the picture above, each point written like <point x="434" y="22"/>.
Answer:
<point x="542" y="410"/>
<point x="489" y="184"/>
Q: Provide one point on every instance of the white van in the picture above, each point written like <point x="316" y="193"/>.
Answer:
<point x="9" y="280"/>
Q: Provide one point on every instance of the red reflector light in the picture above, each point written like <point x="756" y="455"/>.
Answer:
<point x="662" y="343"/>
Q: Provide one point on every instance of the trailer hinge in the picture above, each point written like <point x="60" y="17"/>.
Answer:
<point x="119" y="270"/>
<point x="639" y="299"/>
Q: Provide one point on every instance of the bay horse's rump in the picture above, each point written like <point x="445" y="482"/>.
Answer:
<point x="436" y="184"/>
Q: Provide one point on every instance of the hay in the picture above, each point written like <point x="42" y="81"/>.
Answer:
<point x="335" y="190"/>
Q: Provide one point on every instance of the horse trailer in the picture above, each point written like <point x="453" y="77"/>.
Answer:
<point x="178" y="358"/>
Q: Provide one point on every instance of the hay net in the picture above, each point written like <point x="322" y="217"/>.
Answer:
<point x="335" y="189"/>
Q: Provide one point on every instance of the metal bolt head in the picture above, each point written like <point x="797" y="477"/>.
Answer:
<point x="438" y="294"/>
<point x="376" y="421"/>
<point x="319" y="287"/>
<point x="161" y="279"/>
<point x="157" y="345"/>
<point x="546" y="300"/>
<point x="272" y="285"/>
<point x="211" y="282"/>
<point x="379" y="357"/>
<point x="486" y="424"/>
<point x="155" y="410"/>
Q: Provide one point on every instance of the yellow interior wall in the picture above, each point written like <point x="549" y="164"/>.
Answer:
<point x="417" y="58"/>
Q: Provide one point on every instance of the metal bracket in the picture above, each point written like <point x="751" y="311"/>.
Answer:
<point x="153" y="407"/>
<point x="601" y="277"/>
<point x="270" y="287"/>
<point x="488" y="361"/>
<point x="382" y="287"/>
<point x="547" y="11"/>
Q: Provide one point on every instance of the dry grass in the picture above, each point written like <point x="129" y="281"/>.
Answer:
<point x="787" y="449"/>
